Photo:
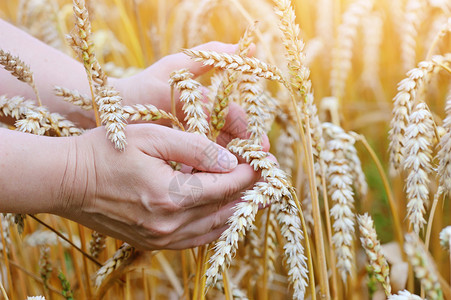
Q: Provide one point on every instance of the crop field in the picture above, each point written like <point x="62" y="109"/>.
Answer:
<point x="354" y="96"/>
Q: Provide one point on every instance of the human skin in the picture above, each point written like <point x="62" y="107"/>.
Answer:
<point x="123" y="194"/>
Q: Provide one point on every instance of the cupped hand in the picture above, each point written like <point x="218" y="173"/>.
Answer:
<point x="137" y="197"/>
<point x="151" y="86"/>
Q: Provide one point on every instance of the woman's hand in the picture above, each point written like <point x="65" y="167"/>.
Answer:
<point x="137" y="197"/>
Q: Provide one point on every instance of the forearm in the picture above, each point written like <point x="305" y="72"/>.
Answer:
<point x="50" y="68"/>
<point x="32" y="170"/>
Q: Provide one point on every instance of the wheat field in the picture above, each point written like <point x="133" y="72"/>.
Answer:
<point x="355" y="97"/>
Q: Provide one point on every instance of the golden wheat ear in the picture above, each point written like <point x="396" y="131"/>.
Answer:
<point x="20" y="70"/>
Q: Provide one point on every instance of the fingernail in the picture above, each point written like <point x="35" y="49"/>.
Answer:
<point x="226" y="160"/>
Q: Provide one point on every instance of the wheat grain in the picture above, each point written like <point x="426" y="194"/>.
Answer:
<point x="112" y="115"/>
<point x="418" y="149"/>
<point x="372" y="247"/>
<point x="423" y="266"/>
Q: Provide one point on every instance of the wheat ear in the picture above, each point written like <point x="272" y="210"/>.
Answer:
<point x="112" y="115"/>
<point x="246" y="65"/>
<point x="148" y="112"/>
<point x="413" y="15"/>
<point x="443" y="155"/>
<point x="404" y="295"/>
<point x="121" y="255"/>
<point x="372" y="247"/>
<point x="418" y="149"/>
<point x="191" y="96"/>
<point x="74" y="97"/>
<point x="97" y="244"/>
<point x="342" y="50"/>
<point x="408" y="89"/>
<point x="423" y="266"/>
<point x="20" y="70"/>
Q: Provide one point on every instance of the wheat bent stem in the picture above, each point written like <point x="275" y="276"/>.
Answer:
<point x="431" y="216"/>
<point x="388" y="190"/>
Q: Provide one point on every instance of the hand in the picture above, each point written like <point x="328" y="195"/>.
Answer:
<point x="151" y="86"/>
<point x="137" y="197"/>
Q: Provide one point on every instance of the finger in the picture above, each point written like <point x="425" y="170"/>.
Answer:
<point x="180" y="60"/>
<point x="193" y="190"/>
<point x="188" y="148"/>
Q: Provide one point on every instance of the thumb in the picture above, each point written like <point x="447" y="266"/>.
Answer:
<point x="190" y="149"/>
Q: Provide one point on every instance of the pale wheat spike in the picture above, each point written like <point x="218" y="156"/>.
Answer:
<point x="237" y="293"/>
<point x="246" y="40"/>
<point x="342" y="50"/>
<point x="74" y="97"/>
<point x="19" y="69"/>
<point x="112" y="115"/>
<point x="45" y="265"/>
<point x="444" y="153"/>
<point x="299" y="73"/>
<point x="423" y="266"/>
<point x="198" y="20"/>
<point x="404" y="295"/>
<point x="413" y="16"/>
<point x="97" y="243"/>
<point x="263" y="193"/>
<point x="339" y="179"/>
<point x="408" y="89"/>
<point x="445" y="238"/>
<point x="148" y="112"/>
<point x="246" y="65"/>
<point x="254" y="251"/>
<point x="372" y="248"/>
<point x="7" y="221"/>
<point x="191" y="96"/>
<point x="251" y="95"/>
<point x="82" y="41"/>
<point x="373" y="31"/>
<point x="221" y="103"/>
<point x="440" y="26"/>
<point x="35" y="298"/>
<point x="121" y="255"/>
<point x="418" y="149"/>
<point x="15" y="107"/>
<point x="290" y="227"/>
<point x="270" y="242"/>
